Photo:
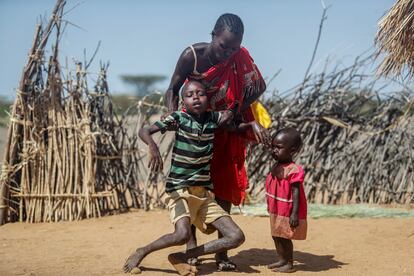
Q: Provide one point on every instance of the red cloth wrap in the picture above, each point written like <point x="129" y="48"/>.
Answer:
<point x="228" y="83"/>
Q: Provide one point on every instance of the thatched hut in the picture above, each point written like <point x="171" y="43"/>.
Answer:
<point x="395" y="39"/>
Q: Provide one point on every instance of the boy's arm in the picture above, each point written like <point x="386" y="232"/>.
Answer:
<point x="155" y="160"/>
<point x="294" y="221"/>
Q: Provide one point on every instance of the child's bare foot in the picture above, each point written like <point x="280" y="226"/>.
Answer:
<point x="179" y="261"/>
<point x="287" y="268"/>
<point x="277" y="264"/>
<point x="134" y="260"/>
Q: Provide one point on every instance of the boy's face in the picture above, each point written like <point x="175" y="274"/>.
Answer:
<point x="195" y="98"/>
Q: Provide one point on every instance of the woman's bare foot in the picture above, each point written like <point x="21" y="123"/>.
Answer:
<point x="287" y="268"/>
<point x="277" y="264"/>
<point x="134" y="260"/>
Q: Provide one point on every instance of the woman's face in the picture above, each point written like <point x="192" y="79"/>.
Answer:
<point x="225" y="44"/>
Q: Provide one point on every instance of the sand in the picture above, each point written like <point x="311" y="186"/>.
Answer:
<point x="100" y="246"/>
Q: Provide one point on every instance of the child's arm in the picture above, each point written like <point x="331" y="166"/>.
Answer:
<point x="294" y="220"/>
<point x="155" y="160"/>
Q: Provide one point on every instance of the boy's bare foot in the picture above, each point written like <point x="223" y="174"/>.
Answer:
<point x="134" y="260"/>
<point x="194" y="261"/>
<point x="287" y="268"/>
<point x="226" y="265"/>
<point x="223" y="262"/>
<point x="179" y="262"/>
<point x="277" y="264"/>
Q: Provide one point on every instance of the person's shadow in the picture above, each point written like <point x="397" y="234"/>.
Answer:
<point x="247" y="259"/>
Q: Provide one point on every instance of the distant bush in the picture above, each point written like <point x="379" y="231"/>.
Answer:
<point x="4" y="111"/>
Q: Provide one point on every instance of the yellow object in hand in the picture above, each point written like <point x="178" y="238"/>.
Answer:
<point x="260" y="114"/>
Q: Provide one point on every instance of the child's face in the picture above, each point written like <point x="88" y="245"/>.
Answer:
<point x="225" y="44"/>
<point x="195" y="98"/>
<point x="281" y="149"/>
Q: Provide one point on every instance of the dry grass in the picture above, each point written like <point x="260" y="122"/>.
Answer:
<point x="395" y="39"/>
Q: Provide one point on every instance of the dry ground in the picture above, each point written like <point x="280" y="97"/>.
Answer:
<point x="100" y="246"/>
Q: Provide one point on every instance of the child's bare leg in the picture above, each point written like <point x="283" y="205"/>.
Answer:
<point x="284" y="248"/>
<point x="232" y="238"/>
<point x="222" y="259"/>
<point x="281" y="261"/>
<point x="180" y="236"/>
<point x="192" y="243"/>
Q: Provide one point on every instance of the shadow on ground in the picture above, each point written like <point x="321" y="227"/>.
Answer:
<point x="246" y="260"/>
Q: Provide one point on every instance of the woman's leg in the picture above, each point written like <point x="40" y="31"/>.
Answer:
<point x="181" y="234"/>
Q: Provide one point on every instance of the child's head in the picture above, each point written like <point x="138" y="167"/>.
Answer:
<point x="194" y="97"/>
<point x="227" y="36"/>
<point x="285" y="144"/>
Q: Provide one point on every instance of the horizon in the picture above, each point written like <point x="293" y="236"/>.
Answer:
<point x="278" y="35"/>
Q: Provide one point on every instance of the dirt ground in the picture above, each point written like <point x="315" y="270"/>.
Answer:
<point x="100" y="246"/>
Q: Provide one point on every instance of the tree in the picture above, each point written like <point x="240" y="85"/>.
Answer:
<point x="143" y="84"/>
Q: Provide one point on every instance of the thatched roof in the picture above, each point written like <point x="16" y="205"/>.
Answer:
<point x="395" y="39"/>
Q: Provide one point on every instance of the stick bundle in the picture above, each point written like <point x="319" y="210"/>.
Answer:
<point x="69" y="155"/>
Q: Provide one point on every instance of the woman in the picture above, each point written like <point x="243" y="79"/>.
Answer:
<point x="232" y="80"/>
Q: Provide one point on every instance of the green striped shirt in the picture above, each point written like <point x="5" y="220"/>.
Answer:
<point x="193" y="150"/>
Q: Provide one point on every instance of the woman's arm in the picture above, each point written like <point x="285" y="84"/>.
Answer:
<point x="183" y="68"/>
<point x="254" y="95"/>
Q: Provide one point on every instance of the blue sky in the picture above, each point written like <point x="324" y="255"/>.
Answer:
<point x="147" y="36"/>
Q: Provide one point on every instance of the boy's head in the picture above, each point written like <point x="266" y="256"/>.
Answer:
<point x="194" y="97"/>
<point x="285" y="144"/>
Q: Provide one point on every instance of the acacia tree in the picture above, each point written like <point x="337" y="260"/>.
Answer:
<point x="143" y="84"/>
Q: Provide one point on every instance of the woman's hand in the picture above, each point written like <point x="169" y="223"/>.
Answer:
<point x="173" y="126"/>
<point x="155" y="160"/>
<point x="261" y="134"/>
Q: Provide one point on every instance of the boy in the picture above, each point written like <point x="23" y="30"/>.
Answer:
<point x="188" y="184"/>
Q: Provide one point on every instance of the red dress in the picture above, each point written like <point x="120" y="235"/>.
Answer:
<point x="280" y="202"/>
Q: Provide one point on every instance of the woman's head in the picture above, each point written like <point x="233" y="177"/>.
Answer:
<point x="285" y="144"/>
<point x="227" y="36"/>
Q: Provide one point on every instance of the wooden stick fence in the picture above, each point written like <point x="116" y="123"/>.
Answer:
<point x="70" y="156"/>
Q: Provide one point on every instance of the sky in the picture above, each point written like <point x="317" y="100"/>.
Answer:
<point x="147" y="36"/>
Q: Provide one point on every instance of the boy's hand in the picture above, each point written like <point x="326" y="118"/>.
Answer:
<point x="155" y="160"/>
<point x="294" y="221"/>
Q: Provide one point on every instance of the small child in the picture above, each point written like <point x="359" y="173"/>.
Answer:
<point x="286" y="200"/>
<point x="188" y="185"/>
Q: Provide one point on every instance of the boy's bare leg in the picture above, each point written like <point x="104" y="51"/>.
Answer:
<point x="284" y="248"/>
<point x="222" y="259"/>
<point x="180" y="236"/>
<point x="192" y="243"/>
<point x="232" y="238"/>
